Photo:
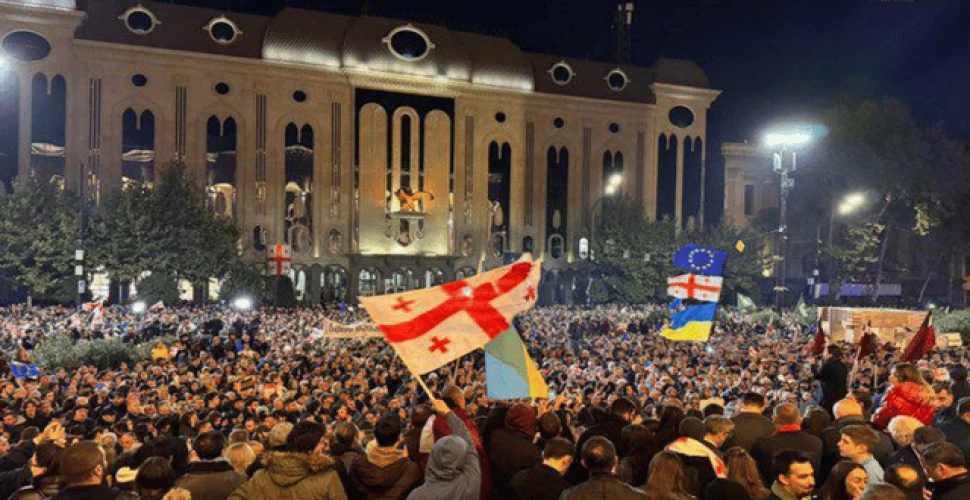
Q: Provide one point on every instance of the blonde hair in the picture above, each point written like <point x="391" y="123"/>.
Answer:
<point x="177" y="494"/>
<point x="902" y="428"/>
<point x="240" y="455"/>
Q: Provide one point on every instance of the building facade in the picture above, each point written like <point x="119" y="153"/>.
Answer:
<point x="389" y="155"/>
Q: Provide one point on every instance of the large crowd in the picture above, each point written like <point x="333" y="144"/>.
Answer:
<point x="254" y="405"/>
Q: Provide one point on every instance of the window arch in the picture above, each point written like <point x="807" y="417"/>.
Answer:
<point x="48" y="127"/>
<point x="612" y="175"/>
<point x="221" y="164"/>
<point x="9" y="127"/>
<point x="138" y="148"/>
<point x="557" y="195"/>
<point x="369" y="282"/>
<point x="465" y="273"/>
<point x="333" y="284"/>
<point x="298" y="192"/>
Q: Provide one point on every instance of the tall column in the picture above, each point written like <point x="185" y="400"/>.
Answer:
<point x="26" y="117"/>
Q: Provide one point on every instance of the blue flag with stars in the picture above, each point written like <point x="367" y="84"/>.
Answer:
<point x="701" y="260"/>
<point x="23" y="370"/>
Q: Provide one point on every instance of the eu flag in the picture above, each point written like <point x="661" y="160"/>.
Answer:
<point x="701" y="260"/>
<point x="22" y="370"/>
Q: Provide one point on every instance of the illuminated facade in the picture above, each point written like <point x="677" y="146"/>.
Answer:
<point x="389" y="155"/>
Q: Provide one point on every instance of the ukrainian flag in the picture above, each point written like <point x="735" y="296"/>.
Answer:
<point x="509" y="371"/>
<point x="692" y="324"/>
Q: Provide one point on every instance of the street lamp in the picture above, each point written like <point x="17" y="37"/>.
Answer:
<point x="139" y="307"/>
<point x="243" y="303"/>
<point x="847" y="205"/>
<point x="784" y="143"/>
<point x="615" y="181"/>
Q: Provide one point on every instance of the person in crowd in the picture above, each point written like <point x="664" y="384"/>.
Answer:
<point x="46" y="479"/>
<point x="957" y="430"/>
<point x="700" y="454"/>
<point x="623" y="412"/>
<point x="750" y="424"/>
<point x="793" y="476"/>
<point x="945" y="404"/>
<point x="211" y="476"/>
<point x="345" y="446"/>
<point x="856" y="445"/>
<point x="847" y="481"/>
<point x="816" y="420"/>
<point x="599" y="459"/>
<point x="385" y="472"/>
<point x="412" y="437"/>
<point x="84" y="467"/>
<point x="910" y="480"/>
<point x="788" y="435"/>
<point x="240" y="456"/>
<point x="833" y="377"/>
<point x="908" y="394"/>
<point x="742" y="469"/>
<point x="453" y="467"/>
<point x="665" y="480"/>
<point x="946" y="467"/>
<point x="455" y="398"/>
<point x="155" y="479"/>
<point x="545" y="481"/>
<point x="848" y="412"/>
<point x="883" y="492"/>
<point x="512" y="449"/>
<point x="959" y="386"/>
<point x="640" y="448"/>
<point x="301" y="471"/>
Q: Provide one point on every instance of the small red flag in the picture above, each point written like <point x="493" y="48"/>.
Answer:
<point x="818" y="347"/>
<point x="868" y="343"/>
<point x="922" y="343"/>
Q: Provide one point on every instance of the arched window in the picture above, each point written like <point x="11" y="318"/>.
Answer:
<point x="557" y="247"/>
<point x="499" y="193"/>
<point x="259" y="238"/>
<point x="299" y="278"/>
<point x="527" y="244"/>
<point x="333" y="285"/>
<point x="137" y="148"/>
<point x="48" y="127"/>
<point x="432" y="277"/>
<point x="666" y="177"/>
<point x="221" y="137"/>
<point x="557" y="196"/>
<point x="400" y="281"/>
<point x="612" y="176"/>
<point x="368" y="282"/>
<point x="299" y="147"/>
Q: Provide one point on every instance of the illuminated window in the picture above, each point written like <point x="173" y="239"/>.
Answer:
<point x="561" y="73"/>
<point x="222" y="30"/>
<point x="139" y="20"/>
<point x="408" y="43"/>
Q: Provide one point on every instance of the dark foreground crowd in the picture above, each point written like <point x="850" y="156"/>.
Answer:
<point x="255" y="405"/>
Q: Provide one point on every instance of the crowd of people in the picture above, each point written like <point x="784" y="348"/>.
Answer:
<point x="254" y="404"/>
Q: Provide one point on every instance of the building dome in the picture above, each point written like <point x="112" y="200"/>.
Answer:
<point x="43" y="4"/>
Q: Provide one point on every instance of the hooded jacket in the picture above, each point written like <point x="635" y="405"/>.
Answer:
<point x="453" y="471"/>
<point x="511" y="449"/>
<point x="213" y="480"/>
<point x="908" y="398"/>
<point x="384" y="474"/>
<point x="293" y="476"/>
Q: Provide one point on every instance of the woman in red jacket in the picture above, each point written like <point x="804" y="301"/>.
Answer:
<point x="908" y="394"/>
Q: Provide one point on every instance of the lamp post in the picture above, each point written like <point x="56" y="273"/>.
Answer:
<point x="611" y="188"/>
<point x="784" y="163"/>
<point x="849" y="204"/>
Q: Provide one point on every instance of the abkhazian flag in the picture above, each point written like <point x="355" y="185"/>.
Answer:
<point x="695" y="286"/>
<point x="510" y="372"/>
<point x="431" y="327"/>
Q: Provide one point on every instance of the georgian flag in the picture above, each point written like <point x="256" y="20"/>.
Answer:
<point x="695" y="286"/>
<point x="432" y="327"/>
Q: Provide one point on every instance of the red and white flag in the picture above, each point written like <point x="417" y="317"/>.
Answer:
<point x="431" y="327"/>
<point x="695" y="286"/>
<point x="279" y="259"/>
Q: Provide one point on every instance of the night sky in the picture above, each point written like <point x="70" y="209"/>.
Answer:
<point x="773" y="58"/>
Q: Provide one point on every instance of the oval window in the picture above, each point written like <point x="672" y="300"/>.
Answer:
<point x="139" y="80"/>
<point x="299" y="96"/>
<point x="26" y="46"/>
<point x="223" y="32"/>
<point x="222" y="88"/>
<point x="681" y="116"/>
<point x="616" y="80"/>
<point x="409" y="43"/>
<point x="561" y="73"/>
<point x="559" y="123"/>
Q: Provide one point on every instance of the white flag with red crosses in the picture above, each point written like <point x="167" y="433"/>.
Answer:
<point x="434" y="326"/>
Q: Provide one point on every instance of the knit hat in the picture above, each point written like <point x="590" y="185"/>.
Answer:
<point x="522" y="419"/>
<point x="277" y="436"/>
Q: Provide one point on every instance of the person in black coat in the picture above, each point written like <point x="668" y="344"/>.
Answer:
<point x="511" y="449"/>
<point x="789" y="436"/>
<point x="960" y="388"/>
<point x="833" y="378"/>
<point x="957" y="430"/>
<point x="622" y="413"/>
<point x="84" y="468"/>
<point x="545" y="481"/>
<point x="599" y="458"/>
<point x="946" y="468"/>
<point x="849" y="412"/>
<point x="750" y="424"/>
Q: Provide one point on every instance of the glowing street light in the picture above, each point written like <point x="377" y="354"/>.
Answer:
<point x="851" y="203"/>
<point x="775" y="139"/>
<point x="139" y="307"/>
<point x="616" y="180"/>
<point x="243" y="303"/>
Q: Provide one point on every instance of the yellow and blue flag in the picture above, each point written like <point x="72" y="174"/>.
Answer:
<point x="691" y="325"/>
<point x="509" y="371"/>
<point x="701" y="260"/>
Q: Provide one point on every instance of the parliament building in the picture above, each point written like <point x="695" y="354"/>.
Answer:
<point x="388" y="155"/>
